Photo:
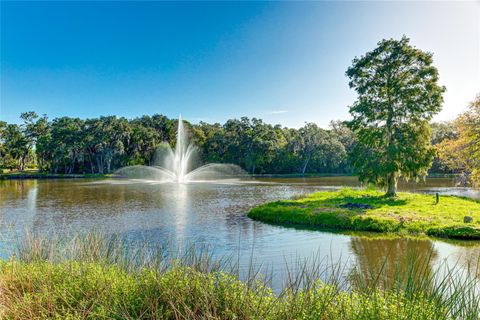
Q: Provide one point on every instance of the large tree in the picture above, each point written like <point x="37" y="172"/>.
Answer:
<point x="469" y="123"/>
<point x="398" y="93"/>
<point x="461" y="152"/>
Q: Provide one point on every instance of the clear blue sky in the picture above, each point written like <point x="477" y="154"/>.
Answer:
<point x="282" y="62"/>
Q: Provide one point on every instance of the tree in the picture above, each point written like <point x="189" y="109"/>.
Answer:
<point x="311" y="138"/>
<point x="42" y="140"/>
<point x="3" y="149"/>
<point x="442" y="131"/>
<point x="453" y="155"/>
<point x="461" y="152"/>
<point x="16" y="147"/>
<point x="469" y="123"/>
<point x="66" y="144"/>
<point x="210" y="138"/>
<point x="398" y="93"/>
<point x="36" y="132"/>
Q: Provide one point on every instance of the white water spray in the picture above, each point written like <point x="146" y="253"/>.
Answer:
<point x="178" y="165"/>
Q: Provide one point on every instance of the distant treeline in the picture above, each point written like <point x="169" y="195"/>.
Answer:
<point x="102" y="145"/>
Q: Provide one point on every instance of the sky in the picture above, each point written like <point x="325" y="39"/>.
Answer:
<point x="283" y="62"/>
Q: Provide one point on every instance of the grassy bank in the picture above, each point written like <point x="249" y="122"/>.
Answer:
<point x="91" y="278"/>
<point x="79" y="290"/>
<point x="370" y="210"/>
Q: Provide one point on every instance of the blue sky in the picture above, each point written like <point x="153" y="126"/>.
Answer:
<point x="284" y="62"/>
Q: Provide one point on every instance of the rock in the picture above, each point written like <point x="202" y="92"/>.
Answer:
<point x="467" y="219"/>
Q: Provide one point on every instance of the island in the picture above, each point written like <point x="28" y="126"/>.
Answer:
<point x="372" y="210"/>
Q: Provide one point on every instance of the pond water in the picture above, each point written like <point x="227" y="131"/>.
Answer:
<point x="212" y="214"/>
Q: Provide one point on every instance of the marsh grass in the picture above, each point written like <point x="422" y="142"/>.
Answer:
<point x="370" y="210"/>
<point x="92" y="276"/>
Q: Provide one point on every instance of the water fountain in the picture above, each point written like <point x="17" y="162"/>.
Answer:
<point x="179" y="165"/>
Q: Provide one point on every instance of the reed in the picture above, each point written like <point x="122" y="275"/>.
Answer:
<point x="93" y="276"/>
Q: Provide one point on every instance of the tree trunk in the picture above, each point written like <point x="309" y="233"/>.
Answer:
<point x="40" y="163"/>
<point x="92" y="169"/>
<point x="99" y="165"/>
<point x="72" y="164"/>
<point x="305" y="165"/>
<point x="23" y="163"/>
<point x="392" y="182"/>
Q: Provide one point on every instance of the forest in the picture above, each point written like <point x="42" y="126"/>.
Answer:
<point x="104" y="144"/>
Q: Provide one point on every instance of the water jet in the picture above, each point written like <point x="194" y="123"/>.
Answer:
<point x="178" y="165"/>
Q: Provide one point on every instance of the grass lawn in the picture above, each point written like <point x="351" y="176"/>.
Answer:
<point x="370" y="210"/>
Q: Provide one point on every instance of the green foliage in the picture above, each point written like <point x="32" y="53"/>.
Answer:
<point x="470" y="121"/>
<point x="97" y="278"/>
<point x="75" y="290"/>
<point x="398" y="94"/>
<point x="372" y="211"/>
<point x="461" y="152"/>
<point x="441" y="133"/>
<point x="102" y="145"/>
<point x="15" y="147"/>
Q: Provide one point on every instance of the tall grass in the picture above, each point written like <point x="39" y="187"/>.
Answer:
<point x="97" y="277"/>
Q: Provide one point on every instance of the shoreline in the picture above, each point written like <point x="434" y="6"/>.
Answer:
<point x="368" y="210"/>
<point x="46" y="280"/>
<point x="43" y="175"/>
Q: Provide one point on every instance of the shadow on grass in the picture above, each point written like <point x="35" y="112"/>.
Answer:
<point x="373" y="201"/>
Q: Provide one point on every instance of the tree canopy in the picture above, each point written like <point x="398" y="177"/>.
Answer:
<point x="461" y="152"/>
<point x="398" y="93"/>
<point x="104" y="144"/>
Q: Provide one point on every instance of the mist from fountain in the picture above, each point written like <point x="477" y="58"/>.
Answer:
<point x="179" y="165"/>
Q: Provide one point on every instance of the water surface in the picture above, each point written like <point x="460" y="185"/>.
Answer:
<point x="212" y="214"/>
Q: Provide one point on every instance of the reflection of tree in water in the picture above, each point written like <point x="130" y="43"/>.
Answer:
<point x="388" y="261"/>
<point x="15" y="190"/>
<point x="468" y="257"/>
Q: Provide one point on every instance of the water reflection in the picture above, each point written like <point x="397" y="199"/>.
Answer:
<point x="392" y="257"/>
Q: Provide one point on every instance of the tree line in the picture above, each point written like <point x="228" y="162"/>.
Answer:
<point x="104" y="144"/>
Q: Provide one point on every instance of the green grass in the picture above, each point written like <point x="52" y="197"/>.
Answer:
<point x="408" y="213"/>
<point x="97" y="278"/>
<point x="75" y="290"/>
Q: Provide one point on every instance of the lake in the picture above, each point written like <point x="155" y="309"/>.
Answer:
<point x="211" y="214"/>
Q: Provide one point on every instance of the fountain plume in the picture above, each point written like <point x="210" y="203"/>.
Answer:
<point x="179" y="165"/>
